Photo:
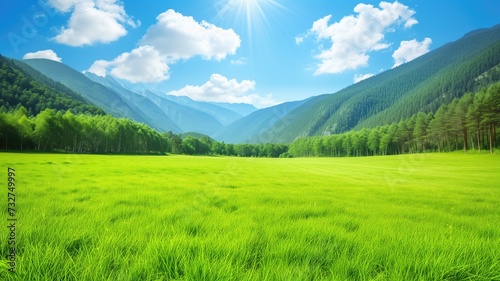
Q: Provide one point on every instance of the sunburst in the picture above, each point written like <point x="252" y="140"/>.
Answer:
<point x="254" y="14"/>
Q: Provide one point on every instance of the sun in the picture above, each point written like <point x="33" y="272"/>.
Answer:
<point x="254" y="14"/>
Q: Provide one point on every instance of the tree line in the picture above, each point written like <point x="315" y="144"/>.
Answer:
<point x="469" y="122"/>
<point x="52" y="130"/>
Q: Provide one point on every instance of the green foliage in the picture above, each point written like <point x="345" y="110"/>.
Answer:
<point x="407" y="217"/>
<point x="54" y="131"/>
<point x="24" y="86"/>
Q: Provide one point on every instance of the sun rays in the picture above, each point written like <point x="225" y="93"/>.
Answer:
<point x="253" y="14"/>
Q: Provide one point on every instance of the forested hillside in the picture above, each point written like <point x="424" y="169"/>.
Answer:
<point x="29" y="88"/>
<point x="420" y="85"/>
<point x="470" y="122"/>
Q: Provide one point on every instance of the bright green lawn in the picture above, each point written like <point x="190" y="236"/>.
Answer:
<point x="411" y="217"/>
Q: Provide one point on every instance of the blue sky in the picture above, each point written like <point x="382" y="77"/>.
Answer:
<point x="255" y="51"/>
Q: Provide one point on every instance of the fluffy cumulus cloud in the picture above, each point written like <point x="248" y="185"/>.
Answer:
<point x="178" y="36"/>
<point x="44" y="54"/>
<point x="410" y="50"/>
<point x="355" y="36"/>
<point x="222" y="89"/>
<point x="361" y="77"/>
<point x="92" y="21"/>
<point x="171" y="38"/>
<point x="100" y="67"/>
<point x="144" y="64"/>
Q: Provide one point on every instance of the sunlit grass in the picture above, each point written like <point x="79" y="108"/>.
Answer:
<point x="411" y="217"/>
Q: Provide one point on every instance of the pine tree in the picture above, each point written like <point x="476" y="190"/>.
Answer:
<point x="460" y="117"/>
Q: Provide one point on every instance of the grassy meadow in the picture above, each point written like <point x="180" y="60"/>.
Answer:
<point x="409" y="217"/>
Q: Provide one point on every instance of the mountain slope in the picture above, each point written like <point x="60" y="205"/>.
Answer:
<point x="188" y="119"/>
<point x="250" y="129"/>
<point x="99" y="95"/>
<point x="23" y="85"/>
<point x="223" y="115"/>
<point x="242" y="109"/>
<point x="420" y="85"/>
<point x="153" y="114"/>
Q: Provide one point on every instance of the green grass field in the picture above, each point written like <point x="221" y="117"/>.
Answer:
<point x="410" y="217"/>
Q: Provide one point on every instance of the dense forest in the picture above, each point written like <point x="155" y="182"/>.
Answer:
<point x="470" y="122"/>
<point x="52" y="130"/>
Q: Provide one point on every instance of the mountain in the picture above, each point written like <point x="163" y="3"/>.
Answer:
<point x="99" y="95"/>
<point x="188" y="119"/>
<point x="183" y="117"/>
<point x="420" y="85"/>
<point x="24" y="86"/>
<point x="250" y="129"/>
<point x="242" y="109"/>
<point x="152" y="112"/>
<point x="223" y="115"/>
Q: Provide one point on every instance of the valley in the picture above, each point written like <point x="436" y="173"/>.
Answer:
<point x="394" y="177"/>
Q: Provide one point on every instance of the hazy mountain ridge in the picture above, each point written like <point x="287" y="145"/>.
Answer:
<point x="189" y="119"/>
<point x="224" y="115"/>
<point x="249" y="129"/>
<point x="155" y="116"/>
<point x="242" y="109"/>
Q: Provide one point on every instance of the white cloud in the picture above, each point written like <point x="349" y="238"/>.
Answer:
<point x="355" y="36"/>
<point x="299" y="39"/>
<point x="100" y="67"/>
<point x="92" y="21"/>
<point x="178" y="36"/>
<point x="410" y="50"/>
<point x="361" y="77"/>
<point x="44" y="54"/>
<point x="411" y="22"/>
<point x="144" y="64"/>
<point x="218" y="88"/>
<point x="221" y="89"/>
